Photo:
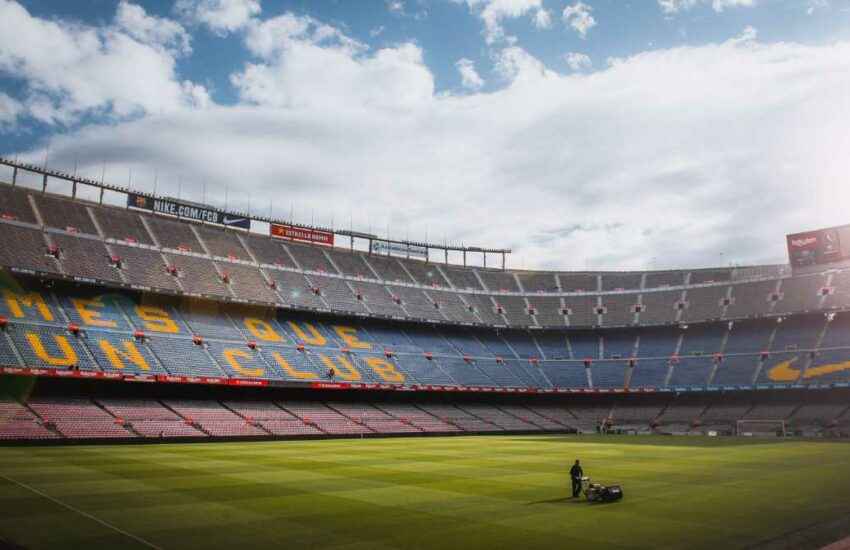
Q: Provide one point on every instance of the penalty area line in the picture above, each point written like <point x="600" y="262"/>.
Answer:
<point x="138" y="539"/>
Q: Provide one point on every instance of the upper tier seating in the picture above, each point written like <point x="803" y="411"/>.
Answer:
<point x="389" y="269"/>
<point x="174" y="234"/>
<point x="352" y="264"/>
<point x="462" y="278"/>
<point x="655" y="279"/>
<point x="659" y="307"/>
<point x="751" y="299"/>
<point x="145" y="267"/>
<point x="701" y="276"/>
<point x="575" y="282"/>
<point x="198" y="275"/>
<point x="704" y="303"/>
<point x="310" y="258"/>
<point x="85" y="258"/>
<point x="268" y="251"/>
<point x="296" y="290"/>
<point x="25" y="248"/>
<point x="64" y="214"/>
<point x="247" y="283"/>
<point x="222" y="243"/>
<point x="499" y="281"/>
<point x="15" y="204"/>
<point x="120" y="224"/>
<point x="621" y="281"/>
<point x="427" y="274"/>
<point x="538" y="281"/>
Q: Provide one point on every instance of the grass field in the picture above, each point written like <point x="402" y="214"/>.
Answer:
<point x="426" y="493"/>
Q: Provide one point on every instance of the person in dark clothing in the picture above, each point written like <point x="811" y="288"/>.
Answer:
<point x="576" y="473"/>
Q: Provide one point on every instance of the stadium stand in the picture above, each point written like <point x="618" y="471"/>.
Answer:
<point x="463" y="279"/>
<point x="537" y="281"/>
<point x="222" y="243"/>
<point x="621" y="281"/>
<point x="25" y="248"/>
<point x="64" y="214"/>
<point x="15" y="204"/>
<point x="752" y="299"/>
<point x="658" y="308"/>
<point x="578" y="282"/>
<point x="702" y="276"/>
<point x="310" y="258"/>
<point x="122" y="225"/>
<point x="705" y="303"/>
<point x="267" y="251"/>
<point x="87" y="258"/>
<point x="499" y="281"/>
<point x="198" y="275"/>
<point x="656" y="279"/>
<point x="742" y="330"/>
<point x="389" y="268"/>
<point x="173" y="234"/>
<point x="427" y="274"/>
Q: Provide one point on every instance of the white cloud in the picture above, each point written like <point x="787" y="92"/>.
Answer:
<point x="515" y="64"/>
<point x="291" y="48"/>
<point x="124" y="68"/>
<point x="377" y="31"/>
<point x="220" y="16"/>
<point x="152" y="30"/>
<point x="749" y="34"/>
<point x="395" y="6"/>
<point x="543" y="19"/>
<point x="10" y="110"/>
<point x="494" y="12"/>
<point x="579" y="18"/>
<point x="678" y="154"/>
<point x="675" y="6"/>
<point x="577" y="61"/>
<point x="815" y="5"/>
<point x="470" y="78"/>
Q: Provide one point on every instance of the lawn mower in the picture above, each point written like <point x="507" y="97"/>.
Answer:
<point x="596" y="492"/>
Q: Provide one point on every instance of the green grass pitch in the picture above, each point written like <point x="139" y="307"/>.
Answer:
<point x="426" y="493"/>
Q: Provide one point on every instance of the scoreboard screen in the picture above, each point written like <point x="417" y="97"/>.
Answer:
<point x="821" y="246"/>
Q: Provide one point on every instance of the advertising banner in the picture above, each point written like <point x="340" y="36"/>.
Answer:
<point x="187" y="211"/>
<point x="305" y="234"/>
<point x="398" y="249"/>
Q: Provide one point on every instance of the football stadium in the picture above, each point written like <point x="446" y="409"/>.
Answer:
<point x="181" y="368"/>
<point x="314" y="395"/>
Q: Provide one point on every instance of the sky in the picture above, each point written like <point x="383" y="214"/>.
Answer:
<point x="591" y="134"/>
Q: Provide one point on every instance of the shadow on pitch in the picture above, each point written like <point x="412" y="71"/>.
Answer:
<point x="561" y="500"/>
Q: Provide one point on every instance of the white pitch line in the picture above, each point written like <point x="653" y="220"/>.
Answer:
<point x="82" y="513"/>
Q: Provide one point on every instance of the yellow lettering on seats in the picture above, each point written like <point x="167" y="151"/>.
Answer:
<point x="262" y="330"/>
<point x="289" y="369"/>
<point x="315" y="338"/>
<point x="385" y="370"/>
<point x="117" y="358"/>
<point x="349" y="336"/>
<point x="90" y="316"/>
<point x="69" y="356"/>
<point x="231" y="355"/>
<point x="33" y="299"/>
<point x="157" y="319"/>
<point x="347" y="372"/>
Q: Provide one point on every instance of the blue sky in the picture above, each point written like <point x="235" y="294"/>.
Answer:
<point x="595" y="133"/>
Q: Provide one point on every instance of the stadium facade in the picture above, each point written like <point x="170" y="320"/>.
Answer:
<point x="164" y="320"/>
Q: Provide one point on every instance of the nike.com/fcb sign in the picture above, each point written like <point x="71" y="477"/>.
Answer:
<point x="183" y="210"/>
